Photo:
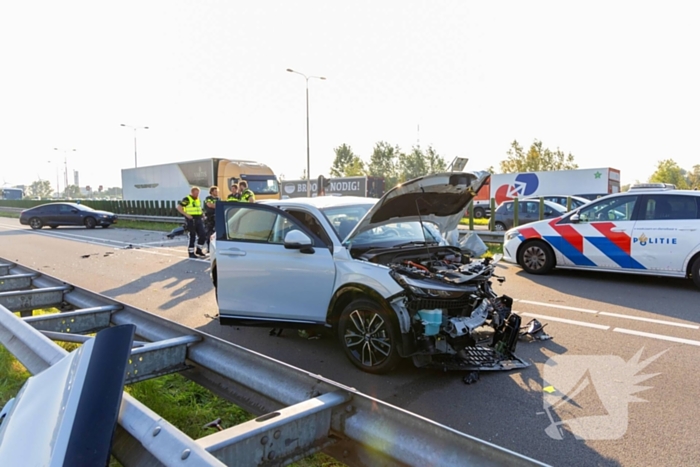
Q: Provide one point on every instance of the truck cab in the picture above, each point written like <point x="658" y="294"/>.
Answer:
<point x="260" y="178"/>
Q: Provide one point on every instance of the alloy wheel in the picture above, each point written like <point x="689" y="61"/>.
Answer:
<point x="366" y="338"/>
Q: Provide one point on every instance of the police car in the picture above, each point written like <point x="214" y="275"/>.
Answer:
<point x="651" y="229"/>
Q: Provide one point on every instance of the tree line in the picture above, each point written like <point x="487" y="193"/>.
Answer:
<point x="388" y="161"/>
<point x="43" y="189"/>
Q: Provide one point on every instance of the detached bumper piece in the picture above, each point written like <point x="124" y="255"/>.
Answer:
<point x="475" y="359"/>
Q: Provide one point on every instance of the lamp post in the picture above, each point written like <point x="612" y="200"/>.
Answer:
<point x="65" y="168"/>
<point x="308" y="151"/>
<point x="135" y="128"/>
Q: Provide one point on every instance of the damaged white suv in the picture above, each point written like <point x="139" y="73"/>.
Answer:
<point x="379" y="272"/>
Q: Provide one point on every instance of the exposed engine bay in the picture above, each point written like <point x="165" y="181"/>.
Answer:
<point x="450" y="310"/>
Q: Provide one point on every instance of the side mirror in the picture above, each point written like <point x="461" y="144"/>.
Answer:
<point x="575" y="219"/>
<point x="548" y="212"/>
<point x="73" y="210"/>
<point x="298" y="240"/>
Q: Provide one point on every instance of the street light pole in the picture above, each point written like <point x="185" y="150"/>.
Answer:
<point x="65" y="166"/>
<point x="135" y="128"/>
<point x="308" y="150"/>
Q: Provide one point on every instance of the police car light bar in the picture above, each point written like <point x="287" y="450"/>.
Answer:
<point x="648" y="186"/>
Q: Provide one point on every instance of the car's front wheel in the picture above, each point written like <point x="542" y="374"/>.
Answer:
<point x="695" y="271"/>
<point x="370" y="336"/>
<point x="35" y="223"/>
<point x="90" y="222"/>
<point x="479" y="213"/>
<point x="500" y="227"/>
<point x="536" y="257"/>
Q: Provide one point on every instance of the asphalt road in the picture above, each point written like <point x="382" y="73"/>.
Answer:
<point x="599" y="324"/>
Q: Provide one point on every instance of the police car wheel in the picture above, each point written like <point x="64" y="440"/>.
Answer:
<point x="536" y="257"/>
<point x="695" y="271"/>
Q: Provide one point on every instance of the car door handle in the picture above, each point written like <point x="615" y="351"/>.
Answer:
<point x="233" y="252"/>
<point x="617" y="229"/>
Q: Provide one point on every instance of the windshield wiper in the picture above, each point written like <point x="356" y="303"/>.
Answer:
<point x="417" y="242"/>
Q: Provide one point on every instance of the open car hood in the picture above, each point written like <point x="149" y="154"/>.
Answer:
<point x="438" y="198"/>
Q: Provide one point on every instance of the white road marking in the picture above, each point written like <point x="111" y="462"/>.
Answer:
<point x="602" y="327"/>
<point x="605" y="328"/>
<point x="571" y="308"/>
<point x="649" y="320"/>
<point x="657" y="336"/>
<point x="613" y="315"/>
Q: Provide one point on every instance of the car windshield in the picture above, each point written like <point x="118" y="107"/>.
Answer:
<point x="398" y="233"/>
<point x="263" y="187"/>
<point x="345" y="218"/>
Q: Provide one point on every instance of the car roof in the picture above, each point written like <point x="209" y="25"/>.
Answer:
<point x="322" y="202"/>
<point x="60" y="203"/>
<point x="656" y="191"/>
<point x="580" y="198"/>
<point x="546" y="203"/>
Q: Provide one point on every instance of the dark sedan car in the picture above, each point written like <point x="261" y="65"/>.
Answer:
<point x="55" y="214"/>
<point x="528" y="211"/>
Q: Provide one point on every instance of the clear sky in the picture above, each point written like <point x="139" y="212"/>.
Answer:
<point x="615" y="83"/>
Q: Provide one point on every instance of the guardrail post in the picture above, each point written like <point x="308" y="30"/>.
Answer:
<point x="541" y="208"/>
<point x="568" y="203"/>
<point x="492" y="219"/>
<point x="471" y="214"/>
<point x="516" y="207"/>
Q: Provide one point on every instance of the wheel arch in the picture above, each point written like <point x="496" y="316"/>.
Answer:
<point x="349" y="292"/>
<point x="689" y="269"/>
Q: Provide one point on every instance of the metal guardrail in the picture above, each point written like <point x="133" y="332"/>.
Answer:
<point x="485" y="235"/>
<point x="305" y="412"/>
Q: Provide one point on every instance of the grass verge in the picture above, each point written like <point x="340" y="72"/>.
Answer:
<point x="465" y="221"/>
<point x="494" y="249"/>
<point x="178" y="400"/>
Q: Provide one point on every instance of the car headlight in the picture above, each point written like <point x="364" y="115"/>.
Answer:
<point x="511" y="234"/>
<point x="433" y="293"/>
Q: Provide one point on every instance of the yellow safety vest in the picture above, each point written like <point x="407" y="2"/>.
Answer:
<point x="194" y="207"/>
<point x="247" y="194"/>
<point x="232" y="198"/>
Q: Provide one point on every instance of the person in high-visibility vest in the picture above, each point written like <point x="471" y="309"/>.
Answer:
<point x="247" y="195"/>
<point x="210" y="213"/>
<point x="191" y="208"/>
<point x="234" y="195"/>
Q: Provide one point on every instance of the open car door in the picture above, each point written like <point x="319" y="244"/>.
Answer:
<point x="270" y="268"/>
